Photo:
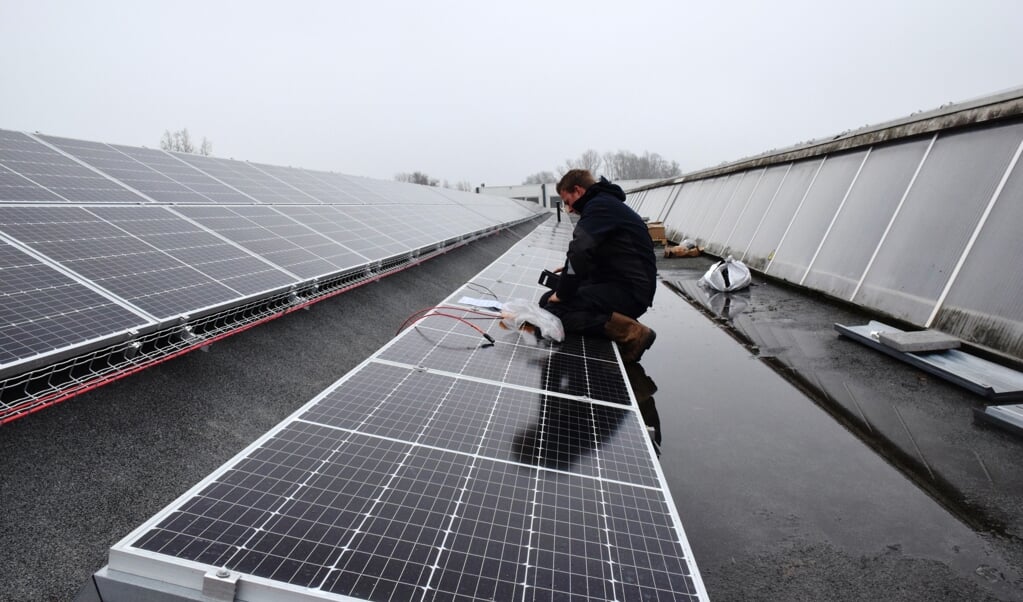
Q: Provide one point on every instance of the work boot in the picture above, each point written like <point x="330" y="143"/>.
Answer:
<point x="632" y="337"/>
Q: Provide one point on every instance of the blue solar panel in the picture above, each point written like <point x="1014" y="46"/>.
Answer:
<point x="339" y="224"/>
<point x="43" y="310"/>
<point x="255" y="183"/>
<point x="314" y="184"/>
<point x="206" y="188"/>
<point x="197" y="247"/>
<point x="124" y="168"/>
<point x="277" y="238"/>
<point x="66" y="180"/>
<point x="19" y="189"/>
<point x="114" y="259"/>
<point x="442" y="469"/>
<point x="187" y="247"/>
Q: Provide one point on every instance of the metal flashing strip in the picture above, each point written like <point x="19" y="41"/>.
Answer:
<point x="1008" y="417"/>
<point x="988" y="379"/>
<point x="461" y="472"/>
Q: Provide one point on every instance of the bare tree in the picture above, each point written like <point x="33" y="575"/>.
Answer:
<point x="184" y="141"/>
<point x="589" y="160"/>
<point x="649" y="166"/>
<point x="541" y="177"/>
<point x="417" y="177"/>
<point x="181" y="141"/>
<point x="463" y="185"/>
<point x="625" y="165"/>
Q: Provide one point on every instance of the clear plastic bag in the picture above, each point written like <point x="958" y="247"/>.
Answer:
<point x="725" y="276"/>
<point x="531" y="321"/>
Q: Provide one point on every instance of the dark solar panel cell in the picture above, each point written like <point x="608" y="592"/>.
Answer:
<point x="571" y="558"/>
<point x="122" y="167"/>
<point x="487" y="553"/>
<point x="115" y="260"/>
<point x="652" y="563"/>
<point x="57" y="173"/>
<point x="354" y="187"/>
<point x="315" y="184"/>
<point x="397" y="544"/>
<point x="208" y="189"/>
<point x="194" y="246"/>
<point x="340" y="225"/>
<point x="19" y="189"/>
<point x="275" y="237"/>
<point x="352" y="403"/>
<point x="42" y="310"/>
<point x="255" y="183"/>
<point x="444" y="344"/>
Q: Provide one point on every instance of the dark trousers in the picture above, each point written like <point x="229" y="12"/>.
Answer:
<point x="591" y="307"/>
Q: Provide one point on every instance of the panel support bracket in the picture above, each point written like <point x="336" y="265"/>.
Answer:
<point x="220" y="585"/>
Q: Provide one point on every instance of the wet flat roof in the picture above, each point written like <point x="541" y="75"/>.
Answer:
<point x="800" y="453"/>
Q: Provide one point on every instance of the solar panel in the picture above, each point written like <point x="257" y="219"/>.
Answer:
<point x="197" y="247"/>
<point x="396" y="221"/>
<point x="255" y="183"/>
<point x="339" y="223"/>
<point x="43" y="310"/>
<point x="105" y="239"/>
<point x="17" y="188"/>
<point x="440" y="222"/>
<point x="462" y="220"/>
<point x="403" y="192"/>
<point x="313" y="183"/>
<point x="47" y="168"/>
<point x="114" y="259"/>
<point x="124" y="168"/>
<point x="495" y="209"/>
<point x="354" y="187"/>
<point x="207" y="189"/>
<point x="277" y="238"/>
<point x="420" y="477"/>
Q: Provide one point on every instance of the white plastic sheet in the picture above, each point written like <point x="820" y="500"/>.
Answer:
<point x="517" y="313"/>
<point x="726" y="276"/>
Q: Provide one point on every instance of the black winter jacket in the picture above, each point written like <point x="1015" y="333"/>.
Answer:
<point x="610" y="243"/>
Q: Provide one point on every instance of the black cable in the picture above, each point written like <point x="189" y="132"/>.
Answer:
<point x="482" y="289"/>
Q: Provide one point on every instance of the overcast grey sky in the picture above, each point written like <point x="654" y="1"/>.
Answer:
<point x="492" y="92"/>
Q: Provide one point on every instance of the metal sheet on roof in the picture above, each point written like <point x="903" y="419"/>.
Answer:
<point x="1009" y="417"/>
<point x="994" y="381"/>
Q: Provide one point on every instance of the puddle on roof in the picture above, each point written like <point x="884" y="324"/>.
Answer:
<point x="754" y="465"/>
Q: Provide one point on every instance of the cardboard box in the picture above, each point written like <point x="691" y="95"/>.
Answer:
<point x="680" y="251"/>
<point x="656" y="230"/>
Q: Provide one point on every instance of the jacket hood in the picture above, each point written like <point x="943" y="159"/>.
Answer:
<point x="604" y="186"/>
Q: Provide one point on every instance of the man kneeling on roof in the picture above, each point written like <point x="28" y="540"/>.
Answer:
<point x="610" y="273"/>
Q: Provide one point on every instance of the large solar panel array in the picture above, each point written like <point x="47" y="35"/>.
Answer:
<point x="102" y="244"/>
<point x="442" y="468"/>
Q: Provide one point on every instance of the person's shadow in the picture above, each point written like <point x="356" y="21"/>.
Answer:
<point x="566" y="431"/>
<point x="643" y="389"/>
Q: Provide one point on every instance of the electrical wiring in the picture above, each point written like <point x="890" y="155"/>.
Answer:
<point x="484" y="315"/>
<point x="432" y="311"/>
<point x="481" y="289"/>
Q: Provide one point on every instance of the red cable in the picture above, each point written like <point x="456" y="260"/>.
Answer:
<point x="426" y="311"/>
<point x="435" y="307"/>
